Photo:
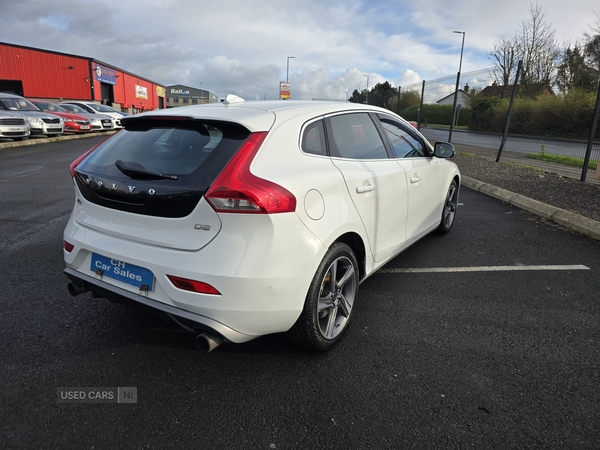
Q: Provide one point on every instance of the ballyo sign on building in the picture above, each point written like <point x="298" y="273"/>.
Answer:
<point x="105" y="75"/>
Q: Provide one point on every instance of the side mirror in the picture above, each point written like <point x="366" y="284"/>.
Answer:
<point x="443" y="150"/>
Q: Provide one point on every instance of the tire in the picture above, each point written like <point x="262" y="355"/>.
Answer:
<point x="449" y="211"/>
<point x="326" y="317"/>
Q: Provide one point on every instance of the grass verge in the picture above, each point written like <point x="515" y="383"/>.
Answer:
<point x="456" y="127"/>
<point x="560" y="159"/>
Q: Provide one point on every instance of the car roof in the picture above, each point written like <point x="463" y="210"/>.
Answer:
<point x="260" y="115"/>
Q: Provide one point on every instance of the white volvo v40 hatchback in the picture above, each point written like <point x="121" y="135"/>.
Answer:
<point x="242" y="219"/>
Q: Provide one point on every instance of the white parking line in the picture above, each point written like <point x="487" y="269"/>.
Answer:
<point x="484" y="269"/>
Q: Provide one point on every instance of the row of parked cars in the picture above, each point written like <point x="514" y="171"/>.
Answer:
<point x="21" y="118"/>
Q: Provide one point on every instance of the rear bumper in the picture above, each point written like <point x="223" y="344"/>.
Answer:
<point x="261" y="265"/>
<point x="196" y="322"/>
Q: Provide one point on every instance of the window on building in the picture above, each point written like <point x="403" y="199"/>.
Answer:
<point x="186" y="100"/>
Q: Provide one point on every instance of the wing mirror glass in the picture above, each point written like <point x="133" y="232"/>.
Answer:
<point x="443" y="150"/>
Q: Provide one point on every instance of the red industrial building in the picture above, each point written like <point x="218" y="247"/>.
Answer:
<point x="43" y="74"/>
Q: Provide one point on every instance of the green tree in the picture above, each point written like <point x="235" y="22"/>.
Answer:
<point x="592" y="53"/>
<point x="574" y="73"/>
<point x="407" y="99"/>
<point x="358" y="97"/>
<point x="380" y="94"/>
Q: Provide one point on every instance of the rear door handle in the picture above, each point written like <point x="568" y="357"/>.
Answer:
<point x="415" y="179"/>
<point x="363" y="189"/>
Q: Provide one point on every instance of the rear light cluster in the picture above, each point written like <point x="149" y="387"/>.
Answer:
<point x="237" y="190"/>
<point x="68" y="247"/>
<point x="192" y="285"/>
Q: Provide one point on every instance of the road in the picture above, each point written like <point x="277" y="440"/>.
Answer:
<point x="476" y="359"/>
<point x="513" y="143"/>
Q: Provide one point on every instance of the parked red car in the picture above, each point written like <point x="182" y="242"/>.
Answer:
<point x="73" y="122"/>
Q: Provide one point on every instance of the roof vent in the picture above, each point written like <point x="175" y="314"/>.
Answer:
<point x="233" y="100"/>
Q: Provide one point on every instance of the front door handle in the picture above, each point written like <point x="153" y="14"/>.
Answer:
<point x="415" y="179"/>
<point x="363" y="189"/>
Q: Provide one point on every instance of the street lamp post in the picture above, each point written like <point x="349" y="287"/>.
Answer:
<point x="287" y="75"/>
<point x="457" y="84"/>
<point x="367" y="99"/>
<point x="201" y="94"/>
<point x="265" y="97"/>
<point x="346" y="95"/>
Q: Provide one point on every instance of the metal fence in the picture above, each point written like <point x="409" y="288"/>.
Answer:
<point x="547" y="130"/>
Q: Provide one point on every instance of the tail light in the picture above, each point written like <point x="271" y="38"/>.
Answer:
<point x="192" y="285"/>
<point x="237" y="190"/>
<point x="68" y="247"/>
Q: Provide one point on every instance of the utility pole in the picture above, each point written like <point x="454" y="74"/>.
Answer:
<point x="287" y="75"/>
<point x="457" y="84"/>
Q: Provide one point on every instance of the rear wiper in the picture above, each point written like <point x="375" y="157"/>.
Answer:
<point x="141" y="173"/>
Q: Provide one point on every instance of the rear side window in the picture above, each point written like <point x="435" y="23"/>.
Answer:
<point x="354" y="136"/>
<point x="195" y="155"/>
<point x="313" y="139"/>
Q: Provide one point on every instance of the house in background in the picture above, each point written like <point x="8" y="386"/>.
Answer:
<point x="463" y="100"/>
<point x="528" y="90"/>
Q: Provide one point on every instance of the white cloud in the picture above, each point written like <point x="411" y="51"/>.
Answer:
<point x="236" y="46"/>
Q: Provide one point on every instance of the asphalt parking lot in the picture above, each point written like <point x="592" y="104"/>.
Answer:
<point x="492" y="357"/>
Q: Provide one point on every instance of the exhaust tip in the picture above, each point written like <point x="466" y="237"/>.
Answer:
<point x="75" y="290"/>
<point x="207" y="342"/>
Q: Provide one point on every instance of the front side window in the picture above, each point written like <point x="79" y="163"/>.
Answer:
<point x="404" y="145"/>
<point x="354" y="136"/>
<point x="313" y="139"/>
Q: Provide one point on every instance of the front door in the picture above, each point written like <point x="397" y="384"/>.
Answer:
<point x="423" y="173"/>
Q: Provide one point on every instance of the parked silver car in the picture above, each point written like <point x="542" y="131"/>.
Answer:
<point x="40" y="122"/>
<point x="14" y="126"/>
<point x="100" y="122"/>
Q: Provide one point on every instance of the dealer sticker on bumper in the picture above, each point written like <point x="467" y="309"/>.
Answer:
<point x="121" y="271"/>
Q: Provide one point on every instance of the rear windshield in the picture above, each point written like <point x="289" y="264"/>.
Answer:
<point x="195" y="155"/>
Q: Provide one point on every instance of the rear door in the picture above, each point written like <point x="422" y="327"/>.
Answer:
<point x="376" y="184"/>
<point x="423" y="173"/>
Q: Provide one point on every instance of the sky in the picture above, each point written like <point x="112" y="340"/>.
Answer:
<point x="241" y="46"/>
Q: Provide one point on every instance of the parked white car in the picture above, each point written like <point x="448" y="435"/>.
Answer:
<point x="243" y="219"/>
<point x="97" y="108"/>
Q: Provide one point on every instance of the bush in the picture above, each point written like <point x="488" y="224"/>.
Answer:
<point x="437" y="114"/>
<point x="561" y="116"/>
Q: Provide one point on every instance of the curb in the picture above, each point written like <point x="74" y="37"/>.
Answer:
<point x="54" y="139"/>
<point x="575" y="222"/>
